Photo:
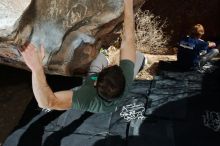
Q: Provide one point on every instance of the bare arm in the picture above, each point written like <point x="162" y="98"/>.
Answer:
<point x="46" y="98"/>
<point x="128" y="50"/>
<point x="43" y="93"/>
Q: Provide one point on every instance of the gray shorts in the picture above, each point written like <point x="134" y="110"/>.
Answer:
<point x="101" y="62"/>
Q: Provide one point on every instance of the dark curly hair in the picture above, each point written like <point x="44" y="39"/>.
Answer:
<point x="110" y="83"/>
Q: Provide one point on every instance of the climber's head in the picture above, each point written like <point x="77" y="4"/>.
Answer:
<point x="198" y="31"/>
<point x="110" y="83"/>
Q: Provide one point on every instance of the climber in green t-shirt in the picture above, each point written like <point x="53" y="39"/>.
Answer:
<point x="103" y="88"/>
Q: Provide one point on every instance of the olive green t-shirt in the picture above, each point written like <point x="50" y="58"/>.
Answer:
<point x="87" y="99"/>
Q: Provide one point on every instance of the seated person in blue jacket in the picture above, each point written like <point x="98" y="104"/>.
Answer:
<point x="101" y="91"/>
<point x="195" y="52"/>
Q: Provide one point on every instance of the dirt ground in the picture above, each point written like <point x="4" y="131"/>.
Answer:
<point x="151" y="65"/>
<point x="151" y="62"/>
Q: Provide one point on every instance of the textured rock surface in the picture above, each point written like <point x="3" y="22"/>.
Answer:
<point x="72" y="31"/>
<point x="10" y="14"/>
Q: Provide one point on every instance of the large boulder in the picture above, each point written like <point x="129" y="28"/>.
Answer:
<point x="72" y="31"/>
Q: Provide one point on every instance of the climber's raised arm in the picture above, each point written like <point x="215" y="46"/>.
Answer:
<point x="44" y="95"/>
<point x="128" y="50"/>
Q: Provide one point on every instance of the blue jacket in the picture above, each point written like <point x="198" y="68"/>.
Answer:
<point x="190" y="50"/>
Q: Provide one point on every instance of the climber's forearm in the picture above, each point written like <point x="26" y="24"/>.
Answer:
<point x="128" y="50"/>
<point x="46" y="98"/>
<point x="42" y="91"/>
<point x="129" y="31"/>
